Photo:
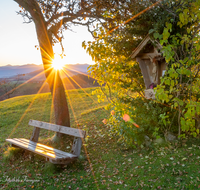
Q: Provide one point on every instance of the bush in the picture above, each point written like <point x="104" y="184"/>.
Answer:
<point x="144" y="118"/>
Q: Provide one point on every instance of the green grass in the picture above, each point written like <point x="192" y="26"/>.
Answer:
<point x="104" y="164"/>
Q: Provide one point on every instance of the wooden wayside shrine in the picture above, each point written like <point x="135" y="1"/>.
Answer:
<point x="53" y="155"/>
<point x="152" y="64"/>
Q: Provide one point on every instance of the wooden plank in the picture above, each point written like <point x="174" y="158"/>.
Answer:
<point x="76" y="148"/>
<point x="145" y="73"/>
<point x="58" y="128"/>
<point x="35" y="135"/>
<point x="30" y="148"/>
<point x="66" y="154"/>
<point x="43" y="148"/>
<point x="140" y="46"/>
<point x="33" y="147"/>
<point x="148" y="55"/>
<point x="143" y="44"/>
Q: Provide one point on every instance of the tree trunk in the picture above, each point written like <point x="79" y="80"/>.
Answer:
<point x="53" y="78"/>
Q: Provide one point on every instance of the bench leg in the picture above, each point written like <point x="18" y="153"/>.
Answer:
<point x="76" y="148"/>
<point x="35" y="135"/>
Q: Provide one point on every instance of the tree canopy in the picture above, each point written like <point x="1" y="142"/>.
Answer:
<point x="175" y="24"/>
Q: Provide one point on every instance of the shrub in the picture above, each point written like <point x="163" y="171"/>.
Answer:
<point x="144" y="119"/>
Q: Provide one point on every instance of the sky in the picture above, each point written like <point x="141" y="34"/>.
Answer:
<point x="18" y="40"/>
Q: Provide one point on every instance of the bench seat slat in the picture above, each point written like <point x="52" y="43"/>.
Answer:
<point x="41" y="149"/>
<point x="58" y="128"/>
<point x="58" y="152"/>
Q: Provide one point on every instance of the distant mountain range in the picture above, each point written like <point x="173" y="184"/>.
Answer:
<point x="10" y="71"/>
<point x="31" y="79"/>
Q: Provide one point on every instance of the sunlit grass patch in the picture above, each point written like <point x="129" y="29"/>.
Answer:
<point x="92" y="110"/>
<point x="12" y="154"/>
<point x="104" y="163"/>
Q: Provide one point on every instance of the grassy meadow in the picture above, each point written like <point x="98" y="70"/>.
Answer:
<point x="103" y="164"/>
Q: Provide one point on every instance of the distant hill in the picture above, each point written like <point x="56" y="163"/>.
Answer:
<point x="32" y="70"/>
<point x="40" y="86"/>
<point x="34" y="81"/>
<point x="9" y="70"/>
<point x="69" y="71"/>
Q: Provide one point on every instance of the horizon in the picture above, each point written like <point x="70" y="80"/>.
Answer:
<point x="8" y="71"/>
<point x="42" y="64"/>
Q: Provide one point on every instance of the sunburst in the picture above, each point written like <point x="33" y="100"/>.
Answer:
<point x="58" y="62"/>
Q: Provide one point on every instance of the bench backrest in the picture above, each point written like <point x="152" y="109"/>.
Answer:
<point x="58" y="128"/>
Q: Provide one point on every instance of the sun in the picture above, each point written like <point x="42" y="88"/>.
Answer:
<point x="58" y="63"/>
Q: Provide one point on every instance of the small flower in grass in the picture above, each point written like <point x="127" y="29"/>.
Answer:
<point x="112" y="112"/>
<point x="105" y="121"/>
<point x="126" y="117"/>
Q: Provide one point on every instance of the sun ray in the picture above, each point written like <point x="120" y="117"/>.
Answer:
<point x="132" y="18"/>
<point x="80" y="86"/>
<point x="24" y="83"/>
<point x="67" y="78"/>
<point x="36" y="95"/>
<point x="65" y="67"/>
<point x="85" y="148"/>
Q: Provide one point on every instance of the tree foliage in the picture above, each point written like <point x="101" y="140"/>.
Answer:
<point x="180" y="87"/>
<point x="177" y="31"/>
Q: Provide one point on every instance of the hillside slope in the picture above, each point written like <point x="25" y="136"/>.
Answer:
<point x="16" y="112"/>
<point x="38" y="85"/>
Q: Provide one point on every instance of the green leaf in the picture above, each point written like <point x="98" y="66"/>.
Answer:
<point x="194" y="134"/>
<point x="151" y="31"/>
<point x="172" y="82"/>
<point x="156" y="35"/>
<point x="166" y="34"/>
<point x="167" y="82"/>
<point x="188" y="72"/>
<point x="181" y="17"/>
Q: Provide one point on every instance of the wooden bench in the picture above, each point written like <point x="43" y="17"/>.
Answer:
<point x="53" y="155"/>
